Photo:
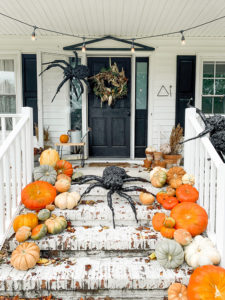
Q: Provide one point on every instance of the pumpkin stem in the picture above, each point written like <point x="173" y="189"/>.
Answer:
<point x="169" y="257"/>
<point x="217" y="292"/>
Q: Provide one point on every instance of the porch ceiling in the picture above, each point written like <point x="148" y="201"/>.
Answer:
<point x="131" y="18"/>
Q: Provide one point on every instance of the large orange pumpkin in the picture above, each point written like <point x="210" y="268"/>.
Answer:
<point x="64" y="167"/>
<point x="49" y="157"/>
<point x="29" y="220"/>
<point x="190" y="216"/>
<point x="187" y="193"/>
<point x="38" y="194"/>
<point x="207" y="282"/>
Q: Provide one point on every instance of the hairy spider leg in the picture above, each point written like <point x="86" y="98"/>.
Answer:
<point x="52" y="66"/>
<point x="57" y="61"/>
<point x="109" y="199"/>
<point x="131" y="202"/>
<point x="76" y="58"/>
<point x="136" y="188"/>
<point x="91" y="186"/>
<point x="129" y="178"/>
<point x="59" y="87"/>
<point x="201" y="134"/>
<point x="81" y="86"/>
<point x="202" y="116"/>
<point x="85" y="179"/>
<point x="75" y="89"/>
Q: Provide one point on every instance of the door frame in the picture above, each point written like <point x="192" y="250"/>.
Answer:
<point x="132" y="56"/>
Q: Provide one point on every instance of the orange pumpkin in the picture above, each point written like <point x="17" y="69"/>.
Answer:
<point x="207" y="282"/>
<point x="38" y="194"/>
<point x="64" y="138"/>
<point x="158" y="221"/>
<point x="170" y="202"/>
<point x="64" y="167"/>
<point x="161" y="197"/>
<point x="177" y="291"/>
<point x="187" y="193"/>
<point x="167" y="232"/>
<point x="175" y="183"/>
<point x="62" y="185"/>
<point x="64" y="176"/>
<point x="183" y="237"/>
<point x="190" y="216"/>
<point x="29" y="220"/>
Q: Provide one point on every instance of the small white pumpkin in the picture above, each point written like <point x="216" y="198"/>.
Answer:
<point x="201" y="251"/>
<point x="67" y="200"/>
<point x="156" y="169"/>
<point x="188" y="179"/>
<point x="165" y="149"/>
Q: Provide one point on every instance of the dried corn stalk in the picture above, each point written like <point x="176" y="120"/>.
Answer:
<point x="176" y="137"/>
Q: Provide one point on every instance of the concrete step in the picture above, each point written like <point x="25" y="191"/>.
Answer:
<point x="94" y="211"/>
<point x="70" y="278"/>
<point x="98" y="238"/>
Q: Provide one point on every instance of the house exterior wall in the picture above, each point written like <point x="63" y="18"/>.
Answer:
<point x="162" y="71"/>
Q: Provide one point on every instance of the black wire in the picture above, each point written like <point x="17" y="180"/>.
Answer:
<point x="136" y="38"/>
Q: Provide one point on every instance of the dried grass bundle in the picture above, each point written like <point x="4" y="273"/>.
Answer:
<point x="176" y="137"/>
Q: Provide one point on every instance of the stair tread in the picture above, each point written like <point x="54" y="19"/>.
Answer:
<point x="93" y="274"/>
<point x="98" y="238"/>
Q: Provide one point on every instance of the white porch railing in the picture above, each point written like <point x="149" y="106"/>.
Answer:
<point x="202" y="160"/>
<point x="16" y="164"/>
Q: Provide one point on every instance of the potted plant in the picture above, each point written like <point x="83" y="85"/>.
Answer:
<point x="172" y="150"/>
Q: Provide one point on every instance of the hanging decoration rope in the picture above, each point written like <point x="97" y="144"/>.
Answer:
<point x="110" y="84"/>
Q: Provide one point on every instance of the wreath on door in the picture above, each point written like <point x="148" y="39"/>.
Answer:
<point x="110" y="84"/>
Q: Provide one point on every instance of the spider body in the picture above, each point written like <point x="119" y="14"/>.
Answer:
<point x="113" y="179"/>
<point x="76" y="74"/>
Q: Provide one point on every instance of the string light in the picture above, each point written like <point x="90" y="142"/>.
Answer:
<point x="132" y="47"/>
<point x="183" y="42"/>
<point x="33" y="36"/>
<point x="84" y="45"/>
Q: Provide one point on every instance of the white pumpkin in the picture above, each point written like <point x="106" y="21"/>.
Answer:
<point x="188" y="179"/>
<point x="67" y="200"/>
<point x="156" y="169"/>
<point x="165" y="149"/>
<point x="201" y="251"/>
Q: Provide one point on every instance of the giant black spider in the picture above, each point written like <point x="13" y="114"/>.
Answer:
<point x="215" y="126"/>
<point x="113" y="179"/>
<point x="73" y="73"/>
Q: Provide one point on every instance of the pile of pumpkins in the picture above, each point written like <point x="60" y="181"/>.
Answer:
<point x="52" y="181"/>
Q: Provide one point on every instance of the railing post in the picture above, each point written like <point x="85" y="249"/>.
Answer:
<point x="28" y="111"/>
<point x="188" y="149"/>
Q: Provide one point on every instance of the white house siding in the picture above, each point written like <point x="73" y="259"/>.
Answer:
<point x="162" y="72"/>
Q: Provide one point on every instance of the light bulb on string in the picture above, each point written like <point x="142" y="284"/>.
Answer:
<point x="132" y="47"/>
<point x="183" y="41"/>
<point x="83" y="46"/>
<point x="33" y="36"/>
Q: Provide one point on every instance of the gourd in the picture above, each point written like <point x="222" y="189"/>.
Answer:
<point x="183" y="237"/>
<point x="50" y="207"/>
<point x="146" y="198"/>
<point x="169" y="222"/>
<point x="64" y="176"/>
<point x="158" y="179"/>
<point x="62" y="185"/>
<point x="67" y="200"/>
<point x="190" y="216"/>
<point x="169" y="253"/>
<point x="25" y="256"/>
<point x="207" y="282"/>
<point x="38" y="194"/>
<point x="200" y="252"/>
<point x="174" y="173"/>
<point x="187" y="193"/>
<point x="156" y="169"/>
<point x="39" y="232"/>
<point x="64" y="138"/>
<point x="170" y="202"/>
<point x="167" y="232"/>
<point x="158" y="221"/>
<point x="44" y="214"/>
<point x="29" y="220"/>
<point x="64" y="167"/>
<point x="23" y="234"/>
<point x="188" y="179"/>
<point x="45" y="173"/>
<point x="56" y="224"/>
<point x="177" y="291"/>
<point x="170" y="191"/>
<point x="175" y="182"/>
<point x="49" y="157"/>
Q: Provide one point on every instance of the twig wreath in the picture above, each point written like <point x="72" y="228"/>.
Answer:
<point x="110" y="84"/>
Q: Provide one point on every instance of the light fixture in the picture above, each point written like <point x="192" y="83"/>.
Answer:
<point x="83" y="46"/>
<point x="183" y="42"/>
<point x="132" y="47"/>
<point x="33" y="36"/>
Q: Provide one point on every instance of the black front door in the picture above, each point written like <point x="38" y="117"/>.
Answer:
<point x="110" y="125"/>
<point x="185" y="86"/>
<point x="29" y="68"/>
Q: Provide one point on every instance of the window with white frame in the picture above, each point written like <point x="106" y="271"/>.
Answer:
<point x="213" y="87"/>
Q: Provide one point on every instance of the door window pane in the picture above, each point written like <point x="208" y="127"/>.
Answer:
<point x="208" y="70"/>
<point x="207" y="104"/>
<point x="220" y="70"/>
<point x="208" y="87"/>
<point x="141" y="85"/>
